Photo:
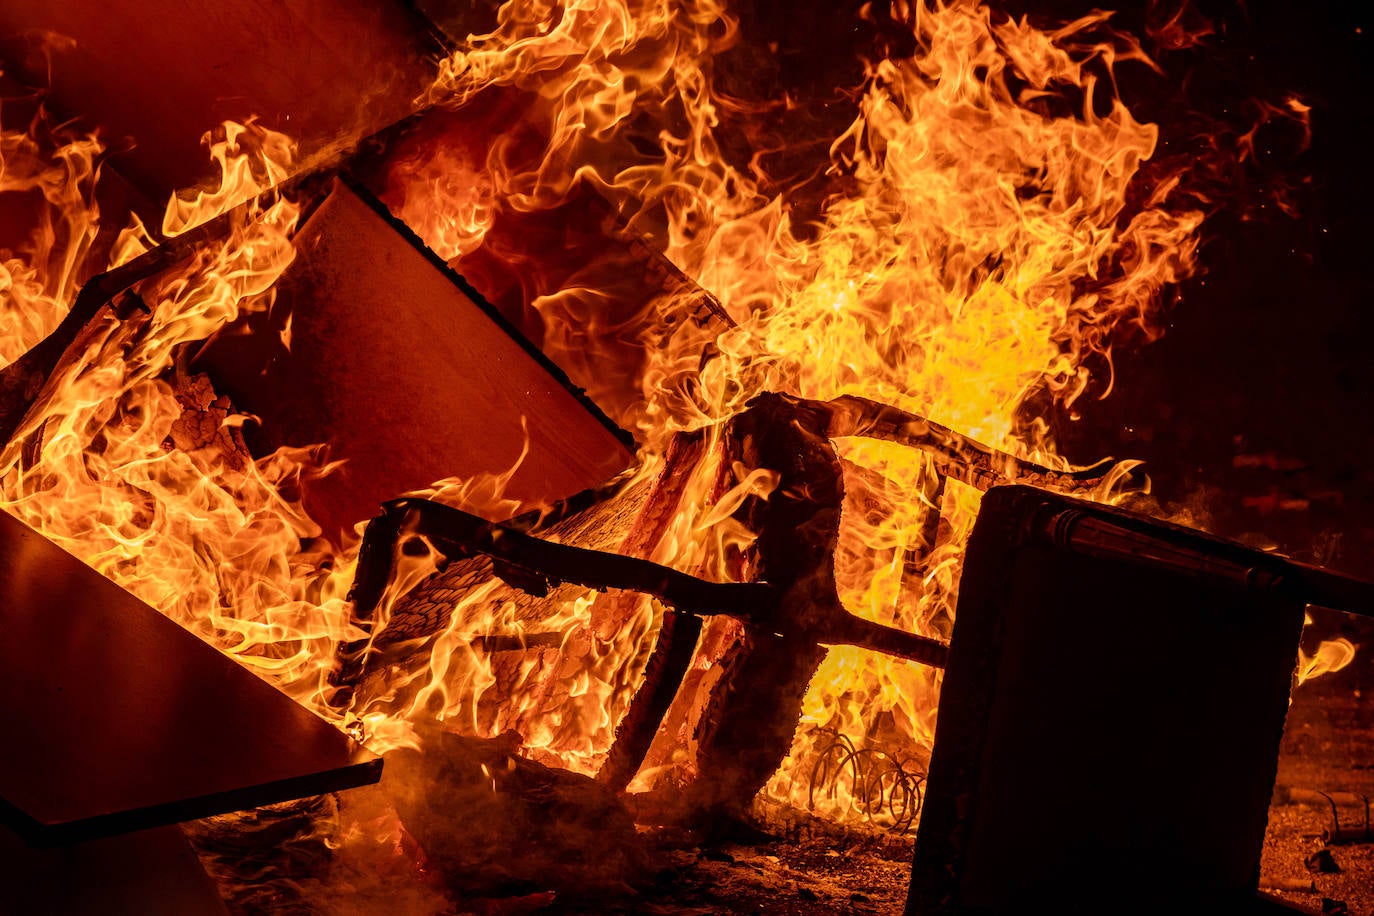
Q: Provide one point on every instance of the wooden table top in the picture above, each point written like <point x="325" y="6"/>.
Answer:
<point x="117" y="719"/>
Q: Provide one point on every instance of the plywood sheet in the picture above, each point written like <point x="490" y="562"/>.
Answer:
<point x="116" y="719"/>
<point x="407" y="375"/>
<point x="154" y="75"/>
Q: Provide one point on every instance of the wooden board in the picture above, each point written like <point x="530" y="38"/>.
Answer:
<point x="155" y="75"/>
<point x="407" y="374"/>
<point x="592" y="292"/>
<point x="1110" y="717"/>
<point x="116" y="719"/>
<point x="134" y="874"/>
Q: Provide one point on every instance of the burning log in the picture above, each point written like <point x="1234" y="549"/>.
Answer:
<point x="496" y="823"/>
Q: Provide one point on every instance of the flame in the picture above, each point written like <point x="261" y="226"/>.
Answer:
<point x="987" y="240"/>
<point x="52" y="173"/>
<point x="1331" y="656"/>
<point x="984" y="239"/>
<point x="203" y="536"/>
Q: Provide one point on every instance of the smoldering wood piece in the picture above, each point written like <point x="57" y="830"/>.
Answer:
<point x="261" y="858"/>
<point x="117" y="719"/>
<point x="407" y="375"/>
<point x="492" y="822"/>
<point x="1110" y="716"/>
<point x="161" y="73"/>
<point x="753" y="709"/>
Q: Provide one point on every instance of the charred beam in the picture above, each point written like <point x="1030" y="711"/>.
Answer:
<point x="530" y="563"/>
<point x="955" y="455"/>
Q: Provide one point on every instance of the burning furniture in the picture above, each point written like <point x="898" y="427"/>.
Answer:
<point x="660" y="627"/>
<point x="1156" y="783"/>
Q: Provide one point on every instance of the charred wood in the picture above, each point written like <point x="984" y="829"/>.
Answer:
<point x="22" y="382"/>
<point x="496" y="823"/>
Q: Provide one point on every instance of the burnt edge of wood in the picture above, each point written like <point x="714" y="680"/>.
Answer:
<point x="363" y="772"/>
<point x="1011" y="518"/>
<point x="492" y="313"/>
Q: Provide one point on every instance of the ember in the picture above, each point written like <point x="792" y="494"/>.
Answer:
<point x="586" y="407"/>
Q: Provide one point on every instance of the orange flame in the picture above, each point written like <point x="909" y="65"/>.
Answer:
<point x="984" y="245"/>
<point x="204" y="538"/>
<point x="983" y="238"/>
<point x="59" y="168"/>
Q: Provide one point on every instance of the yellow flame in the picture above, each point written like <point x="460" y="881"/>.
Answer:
<point x="985" y="244"/>
<point x="202" y="536"/>
<point x="53" y="174"/>
<point x="983" y="238"/>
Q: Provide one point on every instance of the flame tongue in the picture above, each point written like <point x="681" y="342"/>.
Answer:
<point x="984" y="234"/>
<point x="983" y="237"/>
<point x="202" y="535"/>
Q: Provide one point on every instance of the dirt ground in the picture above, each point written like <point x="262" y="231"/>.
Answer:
<point x="1328" y="746"/>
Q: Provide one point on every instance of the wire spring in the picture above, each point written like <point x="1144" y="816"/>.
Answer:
<point x="886" y="790"/>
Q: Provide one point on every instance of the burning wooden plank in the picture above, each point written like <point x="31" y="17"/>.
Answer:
<point x="379" y="350"/>
<point x="752" y="708"/>
<point x="163" y="73"/>
<point x="117" y="719"/>
<point x="592" y="292"/>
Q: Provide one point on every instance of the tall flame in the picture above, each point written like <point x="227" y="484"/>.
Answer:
<point x="986" y="231"/>
<point x="51" y="174"/>
<point x="985" y="235"/>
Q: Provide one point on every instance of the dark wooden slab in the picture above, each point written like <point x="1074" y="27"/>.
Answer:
<point x="1110" y="716"/>
<point x="116" y="719"/>
<point x="407" y="374"/>
<point x="155" y="75"/>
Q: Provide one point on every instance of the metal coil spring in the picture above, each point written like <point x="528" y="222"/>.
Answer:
<point x="883" y="787"/>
